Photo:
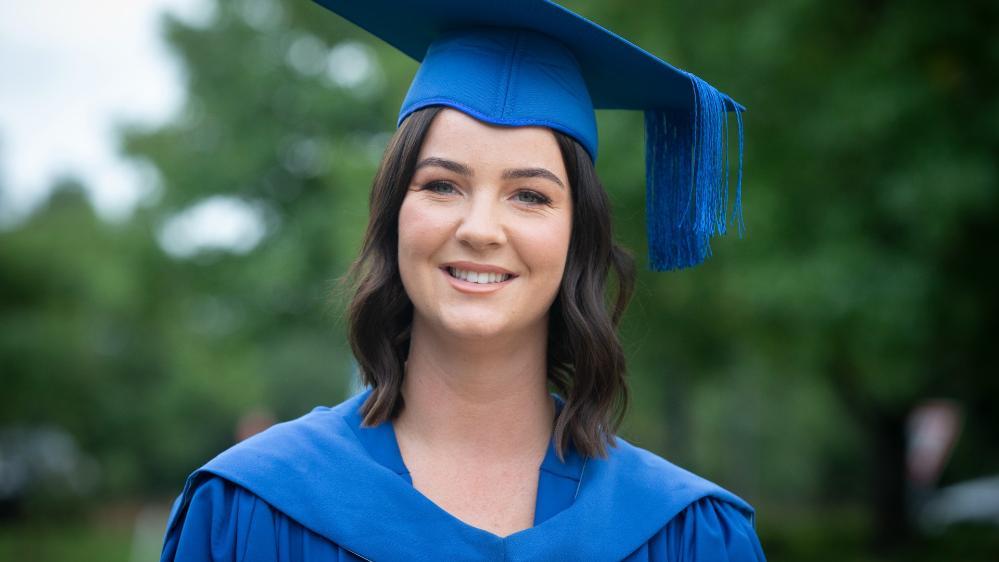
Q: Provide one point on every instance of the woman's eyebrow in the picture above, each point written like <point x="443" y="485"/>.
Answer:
<point x="455" y="167"/>
<point x="509" y="174"/>
<point x="532" y="173"/>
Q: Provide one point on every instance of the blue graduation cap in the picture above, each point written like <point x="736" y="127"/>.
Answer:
<point x="533" y="62"/>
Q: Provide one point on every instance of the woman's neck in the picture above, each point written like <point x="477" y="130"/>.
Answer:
<point x="477" y="397"/>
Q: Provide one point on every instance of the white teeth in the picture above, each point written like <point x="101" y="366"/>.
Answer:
<point x="477" y="277"/>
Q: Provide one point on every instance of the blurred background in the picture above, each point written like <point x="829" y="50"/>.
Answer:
<point x="182" y="182"/>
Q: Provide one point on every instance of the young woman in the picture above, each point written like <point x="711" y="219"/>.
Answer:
<point x="480" y="286"/>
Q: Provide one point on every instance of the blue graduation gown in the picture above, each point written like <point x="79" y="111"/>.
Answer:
<point x="323" y="488"/>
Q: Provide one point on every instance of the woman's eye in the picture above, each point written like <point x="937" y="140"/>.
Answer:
<point x="532" y="198"/>
<point x="441" y="187"/>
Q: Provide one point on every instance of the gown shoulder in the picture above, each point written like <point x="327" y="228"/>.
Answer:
<point x="224" y="522"/>
<point x="708" y="529"/>
<point x="697" y="520"/>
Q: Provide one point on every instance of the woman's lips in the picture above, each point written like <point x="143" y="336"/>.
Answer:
<point x="478" y="267"/>
<point x="474" y="288"/>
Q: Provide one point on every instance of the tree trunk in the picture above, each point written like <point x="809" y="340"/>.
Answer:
<point x="891" y="524"/>
<point x="884" y="427"/>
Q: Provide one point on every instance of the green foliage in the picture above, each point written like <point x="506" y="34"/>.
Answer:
<point x="52" y="543"/>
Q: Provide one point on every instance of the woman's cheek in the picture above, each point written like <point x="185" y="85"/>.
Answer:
<point x="543" y="253"/>
<point x="550" y="242"/>
<point x="423" y="233"/>
<point x="409" y="242"/>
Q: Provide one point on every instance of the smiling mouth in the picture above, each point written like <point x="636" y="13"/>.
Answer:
<point x="483" y="278"/>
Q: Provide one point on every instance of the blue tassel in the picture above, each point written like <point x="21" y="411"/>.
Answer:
<point x="687" y="178"/>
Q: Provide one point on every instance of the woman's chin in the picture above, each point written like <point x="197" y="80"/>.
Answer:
<point x="475" y="330"/>
<point x="476" y="324"/>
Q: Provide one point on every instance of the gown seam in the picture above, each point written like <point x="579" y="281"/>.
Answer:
<point x="582" y="470"/>
<point x="560" y="475"/>
<point x="249" y="524"/>
<point x="353" y="553"/>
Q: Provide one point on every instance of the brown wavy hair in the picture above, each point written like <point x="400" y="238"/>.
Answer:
<point x="586" y="363"/>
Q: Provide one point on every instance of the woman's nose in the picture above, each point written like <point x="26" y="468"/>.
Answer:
<point x="481" y="226"/>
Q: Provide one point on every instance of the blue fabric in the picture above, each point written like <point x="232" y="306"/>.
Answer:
<point x="618" y="73"/>
<point x="510" y="77"/>
<point x="324" y="488"/>
<point x="687" y="180"/>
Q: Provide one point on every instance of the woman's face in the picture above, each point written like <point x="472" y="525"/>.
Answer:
<point x="484" y="228"/>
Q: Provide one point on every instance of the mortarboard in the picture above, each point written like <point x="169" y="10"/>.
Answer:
<point x="533" y="62"/>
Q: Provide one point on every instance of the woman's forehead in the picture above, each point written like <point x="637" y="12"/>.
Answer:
<point x="457" y="136"/>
